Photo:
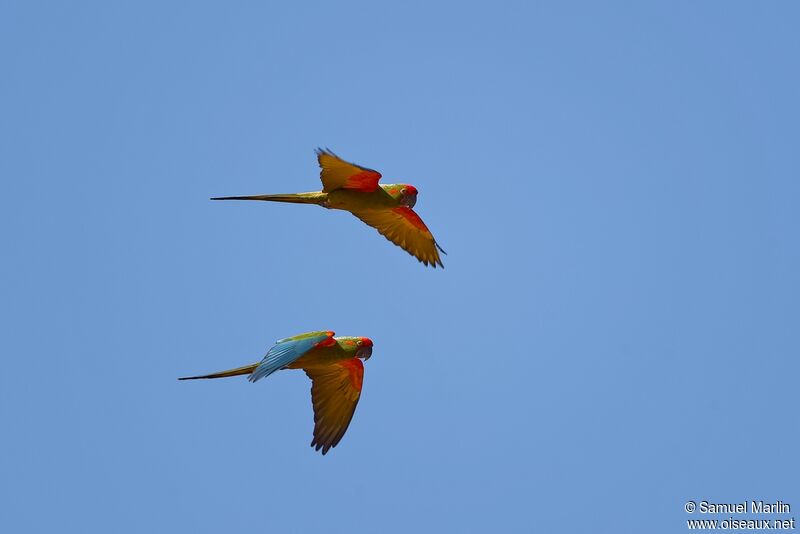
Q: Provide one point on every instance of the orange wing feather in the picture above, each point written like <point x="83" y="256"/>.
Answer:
<point x="335" y="390"/>
<point x="403" y="227"/>
<point x="337" y="173"/>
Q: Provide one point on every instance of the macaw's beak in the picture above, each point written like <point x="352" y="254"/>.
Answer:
<point x="366" y="348"/>
<point x="364" y="352"/>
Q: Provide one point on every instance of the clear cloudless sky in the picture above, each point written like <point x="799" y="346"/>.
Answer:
<point x="615" y="332"/>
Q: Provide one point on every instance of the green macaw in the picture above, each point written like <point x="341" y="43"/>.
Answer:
<point x="336" y="373"/>
<point x="385" y="207"/>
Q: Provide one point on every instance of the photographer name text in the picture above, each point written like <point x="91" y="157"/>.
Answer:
<point x="744" y="507"/>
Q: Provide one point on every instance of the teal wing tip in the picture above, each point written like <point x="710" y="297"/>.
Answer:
<point x="258" y="373"/>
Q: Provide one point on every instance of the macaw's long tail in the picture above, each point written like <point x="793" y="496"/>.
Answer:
<point x="246" y="370"/>
<point x="317" y="197"/>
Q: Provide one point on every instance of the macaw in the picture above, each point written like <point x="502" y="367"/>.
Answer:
<point x="336" y="373"/>
<point x="385" y="207"/>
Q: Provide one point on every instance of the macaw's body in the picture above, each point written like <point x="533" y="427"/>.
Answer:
<point x="334" y="366"/>
<point x="385" y="207"/>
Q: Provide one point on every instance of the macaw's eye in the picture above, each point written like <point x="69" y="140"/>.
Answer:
<point x="359" y="342"/>
<point x="404" y="190"/>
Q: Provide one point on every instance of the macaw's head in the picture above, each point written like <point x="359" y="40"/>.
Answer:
<point x="360" y="346"/>
<point x="405" y="194"/>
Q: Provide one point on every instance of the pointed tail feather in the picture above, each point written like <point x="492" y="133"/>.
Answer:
<point x="296" y="198"/>
<point x="246" y="370"/>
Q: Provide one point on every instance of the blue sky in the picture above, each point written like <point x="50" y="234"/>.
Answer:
<point x="615" y="331"/>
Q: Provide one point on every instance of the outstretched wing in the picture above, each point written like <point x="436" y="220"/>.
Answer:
<point x="336" y="173"/>
<point x="285" y="351"/>
<point x="403" y="227"/>
<point x="335" y="390"/>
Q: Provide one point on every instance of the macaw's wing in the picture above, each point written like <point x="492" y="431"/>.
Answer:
<point x="336" y="173"/>
<point x="285" y="351"/>
<point x="403" y="227"/>
<point x="335" y="390"/>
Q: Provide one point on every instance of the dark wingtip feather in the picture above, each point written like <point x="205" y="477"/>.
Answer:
<point x="319" y="447"/>
<point x="320" y="151"/>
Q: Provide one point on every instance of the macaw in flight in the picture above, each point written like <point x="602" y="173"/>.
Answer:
<point x="335" y="370"/>
<point x="385" y="207"/>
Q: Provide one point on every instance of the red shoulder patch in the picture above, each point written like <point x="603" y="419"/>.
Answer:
<point x="412" y="217"/>
<point x="366" y="181"/>
<point x="356" y="371"/>
<point x="328" y="341"/>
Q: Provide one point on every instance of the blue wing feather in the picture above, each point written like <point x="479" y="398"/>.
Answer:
<point x="284" y="352"/>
